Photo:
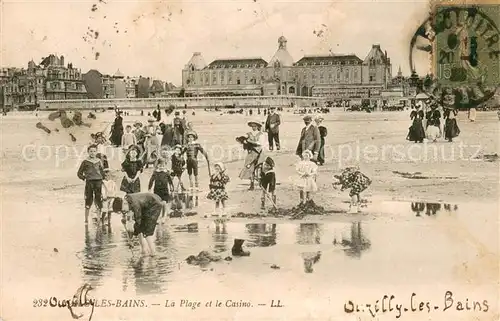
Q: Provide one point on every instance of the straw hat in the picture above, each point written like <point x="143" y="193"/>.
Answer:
<point x="253" y="122"/>
<point x="221" y="165"/>
<point x="319" y="118"/>
<point x="308" y="152"/>
<point x="138" y="124"/>
<point x="192" y="133"/>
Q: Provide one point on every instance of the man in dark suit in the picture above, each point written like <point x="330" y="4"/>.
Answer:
<point x="273" y="129"/>
<point x="310" y="139"/>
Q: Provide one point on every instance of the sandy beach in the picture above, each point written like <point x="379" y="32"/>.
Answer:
<point x="50" y="250"/>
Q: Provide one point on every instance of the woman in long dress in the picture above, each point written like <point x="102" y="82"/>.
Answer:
<point x="433" y="124"/>
<point x="451" y="129"/>
<point x="117" y="130"/>
<point x="416" y="132"/>
<point x="254" y="142"/>
<point x="322" y="133"/>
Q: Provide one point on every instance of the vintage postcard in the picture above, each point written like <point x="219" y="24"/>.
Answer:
<point x="249" y="160"/>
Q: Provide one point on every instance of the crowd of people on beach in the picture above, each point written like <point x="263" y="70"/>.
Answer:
<point x="170" y="146"/>
<point x="428" y="124"/>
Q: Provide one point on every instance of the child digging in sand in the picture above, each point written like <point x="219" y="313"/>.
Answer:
<point x="352" y="178"/>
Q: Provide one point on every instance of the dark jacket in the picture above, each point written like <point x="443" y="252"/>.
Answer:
<point x="310" y="139"/>
<point x="273" y="119"/>
<point x="91" y="170"/>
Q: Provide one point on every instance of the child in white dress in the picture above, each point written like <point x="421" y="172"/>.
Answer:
<point x="306" y="180"/>
<point x="109" y="193"/>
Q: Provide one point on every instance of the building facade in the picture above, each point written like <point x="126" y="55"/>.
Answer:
<point x="62" y="82"/>
<point x="330" y="76"/>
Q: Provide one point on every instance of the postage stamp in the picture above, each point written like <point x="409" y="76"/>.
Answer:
<point x="467" y="43"/>
<point x="256" y="160"/>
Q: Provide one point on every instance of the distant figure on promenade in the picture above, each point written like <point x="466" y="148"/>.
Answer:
<point x="416" y="132"/>
<point x="157" y="113"/>
<point x="117" y="130"/>
<point x="310" y="139"/>
<point x="273" y="129"/>
<point x="322" y="133"/>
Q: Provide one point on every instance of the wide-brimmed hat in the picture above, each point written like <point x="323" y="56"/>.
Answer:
<point x="137" y="124"/>
<point x="221" y="165"/>
<point x="269" y="161"/>
<point x="195" y="136"/>
<point x="307" y="118"/>
<point x="319" y="117"/>
<point x="307" y="151"/>
<point x="253" y="122"/>
<point x="178" y="146"/>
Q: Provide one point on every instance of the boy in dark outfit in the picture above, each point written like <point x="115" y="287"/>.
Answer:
<point x="192" y="148"/>
<point x="163" y="186"/>
<point x="92" y="172"/>
<point x="178" y="165"/>
<point x="268" y="182"/>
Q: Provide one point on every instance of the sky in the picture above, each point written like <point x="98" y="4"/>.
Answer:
<point x="157" y="38"/>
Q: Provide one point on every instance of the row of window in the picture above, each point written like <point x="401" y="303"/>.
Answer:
<point x="59" y="85"/>
<point x="313" y="63"/>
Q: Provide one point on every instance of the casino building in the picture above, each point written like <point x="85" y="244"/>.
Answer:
<point x="335" y="77"/>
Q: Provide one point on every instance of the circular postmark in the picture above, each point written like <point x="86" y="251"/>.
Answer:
<point x="463" y="47"/>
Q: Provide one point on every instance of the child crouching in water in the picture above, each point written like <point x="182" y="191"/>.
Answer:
<point x="268" y="182"/>
<point x="306" y="180"/>
<point x="352" y="178"/>
<point x="143" y="209"/>
<point x="163" y="185"/>
<point x="218" y="182"/>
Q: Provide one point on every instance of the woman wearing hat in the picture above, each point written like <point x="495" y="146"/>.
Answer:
<point x="322" y="133"/>
<point x="433" y="123"/>
<point x="117" y="130"/>
<point x="451" y="129"/>
<point x="255" y="156"/>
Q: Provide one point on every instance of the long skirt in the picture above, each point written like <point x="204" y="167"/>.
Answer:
<point x="472" y="114"/>
<point x="451" y="129"/>
<point x="433" y="132"/>
<point x="306" y="184"/>
<point x="416" y="132"/>
<point x="251" y="161"/>
<point x="321" y="154"/>
<point x="116" y="136"/>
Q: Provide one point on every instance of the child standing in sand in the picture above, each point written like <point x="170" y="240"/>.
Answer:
<point x="268" y="182"/>
<point x="162" y="181"/>
<point x="218" y="182"/>
<point x="178" y="166"/>
<point x="92" y="172"/>
<point x="306" y="180"/>
<point x="128" y="138"/>
<point x="352" y="178"/>
<point x="109" y="193"/>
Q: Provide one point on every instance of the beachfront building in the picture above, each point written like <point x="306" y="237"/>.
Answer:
<point x="332" y="76"/>
<point x="62" y="82"/>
